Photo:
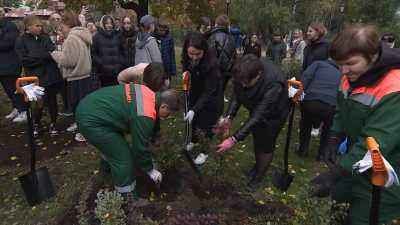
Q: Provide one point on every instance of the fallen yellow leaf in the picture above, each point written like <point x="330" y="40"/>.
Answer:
<point x="40" y="143"/>
<point x="284" y="201"/>
<point x="164" y="194"/>
<point x="241" y="151"/>
<point x="293" y="171"/>
<point x="180" y="132"/>
<point x="394" y="221"/>
<point x="18" y="164"/>
<point x="284" y="193"/>
<point x="169" y="207"/>
<point x="272" y="164"/>
<point x="261" y="202"/>
<point x="268" y="189"/>
<point x="271" y="192"/>
<point x="208" y="192"/>
<point x="58" y="157"/>
<point x="293" y="196"/>
<point x="107" y="215"/>
<point x="249" y="217"/>
<point x="151" y="199"/>
<point x="230" y="157"/>
<point x="44" y="148"/>
<point x="66" y="144"/>
<point x="152" y="194"/>
<point x="95" y="171"/>
<point x="69" y="141"/>
<point x="303" y="170"/>
<point x="3" y="173"/>
<point x="290" y="166"/>
<point x="244" y="146"/>
<point x="12" y="135"/>
<point x="34" y="207"/>
<point x="15" y="178"/>
<point x="92" y="153"/>
<point x="283" y="128"/>
<point x="19" y="135"/>
<point x="26" y="145"/>
<point x="13" y="158"/>
<point x="6" y="200"/>
<point x="239" y="192"/>
<point x="54" y="142"/>
<point x="64" y="185"/>
<point x="237" y="164"/>
<point x="241" y="124"/>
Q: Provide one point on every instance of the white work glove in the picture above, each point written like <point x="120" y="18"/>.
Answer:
<point x="366" y="163"/>
<point x="33" y="93"/>
<point x="155" y="175"/>
<point x="292" y="91"/>
<point x="183" y="75"/>
<point x="189" y="116"/>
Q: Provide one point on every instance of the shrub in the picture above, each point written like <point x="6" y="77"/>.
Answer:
<point x="108" y="209"/>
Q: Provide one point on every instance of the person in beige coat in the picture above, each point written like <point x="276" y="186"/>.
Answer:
<point x="76" y="62"/>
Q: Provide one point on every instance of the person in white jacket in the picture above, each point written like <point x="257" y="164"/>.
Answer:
<point x="298" y="45"/>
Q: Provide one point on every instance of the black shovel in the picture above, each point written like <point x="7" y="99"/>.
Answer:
<point x="282" y="178"/>
<point x="184" y="150"/>
<point x="36" y="184"/>
<point x="377" y="180"/>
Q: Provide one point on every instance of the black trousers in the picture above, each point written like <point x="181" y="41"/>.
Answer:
<point x="17" y="100"/>
<point x="108" y="80"/>
<point x="226" y="76"/>
<point x="313" y="112"/>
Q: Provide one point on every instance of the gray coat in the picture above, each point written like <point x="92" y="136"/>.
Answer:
<point x="147" y="49"/>
<point x="276" y="51"/>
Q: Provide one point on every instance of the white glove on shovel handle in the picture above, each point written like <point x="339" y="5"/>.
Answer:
<point x="155" y="175"/>
<point x="32" y="92"/>
<point x="189" y="116"/>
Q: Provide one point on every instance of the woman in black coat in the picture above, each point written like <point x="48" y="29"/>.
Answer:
<point x="253" y="47"/>
<point x="318" y="45"/>
<point x="127" y="38"/>
<point x="261" y="88"/>
<point x="206" y="99"/>
<point x="106" y="53"/>
<point x="33" y="50"/>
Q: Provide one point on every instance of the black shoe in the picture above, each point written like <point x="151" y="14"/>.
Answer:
<point x="254" y="183"/>
<point x="53" y="129"/>
<point x="251" y="172"/>
<point x="300" y="153"/>
<point x="68" y="112"/>
<point x="104" y="172"/>
<point x="36" y="130"/>
<point x="320" y="158"/>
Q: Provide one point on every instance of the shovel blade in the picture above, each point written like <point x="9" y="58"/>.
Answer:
<point x="37" y="190"/>
<point x="282" y="180"/>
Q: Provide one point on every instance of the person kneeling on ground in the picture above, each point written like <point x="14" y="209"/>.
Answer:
<point x="262" y="89"/>
<point x="106" y="114"/>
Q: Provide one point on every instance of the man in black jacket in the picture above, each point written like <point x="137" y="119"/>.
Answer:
<point x="223" y="46"/>
<point x="261" y="88"/>
<point x="10" y="68"/>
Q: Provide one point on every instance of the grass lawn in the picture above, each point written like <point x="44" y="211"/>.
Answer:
<point x="73" y="172"/>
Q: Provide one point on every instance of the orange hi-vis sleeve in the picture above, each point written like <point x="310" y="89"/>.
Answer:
<point x="145" y="101"/>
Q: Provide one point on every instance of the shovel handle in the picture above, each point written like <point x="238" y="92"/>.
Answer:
<point x="185" y="81"/>
<point x="378" y="165"/>
<point x="295" y="82"/>
<point x="22" y="79"/>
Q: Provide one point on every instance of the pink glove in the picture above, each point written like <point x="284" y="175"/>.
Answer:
<point x="225" y="125"/>
<point x="225" y="145"/>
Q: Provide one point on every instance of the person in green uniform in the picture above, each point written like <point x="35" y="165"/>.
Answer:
<point x="368" y="105"/>
<point x="106" y="114"/>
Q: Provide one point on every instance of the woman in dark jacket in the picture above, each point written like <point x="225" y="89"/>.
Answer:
<point x="261" y="88"/>
<point x="253" y="47"/>
<point x="127" y="38"/>
<point x="106" y="53"/>
<point x="320" y="82"/>
<point x="276" y="49"/>
<point x="205" y="96"/>
<point x="318" y="45"/>
<point x="33" y="50"/>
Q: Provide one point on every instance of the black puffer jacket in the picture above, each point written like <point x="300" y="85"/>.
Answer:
<point x="222" y="44"/>
<point x="33" y="54"/>
<point x="276" y="51"/>
<point x="266" y="100"/>
<point x="206" y="92"/>
<point x="9" y="64"/>
<point x="128" y="48"/>
<point x="317" y="50"/>
<point x="106" y="53"/>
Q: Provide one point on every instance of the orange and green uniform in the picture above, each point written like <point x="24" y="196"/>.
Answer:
<point x="372" y="110"/>
<point x="106" y="114"/>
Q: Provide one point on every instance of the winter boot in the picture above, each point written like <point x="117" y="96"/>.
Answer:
<point x="252" y="171"/>
<point x="300" y="153"/>
<point x="254" y="183"/>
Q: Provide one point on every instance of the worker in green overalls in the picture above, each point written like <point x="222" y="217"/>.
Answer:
<point x="106" y="114"/>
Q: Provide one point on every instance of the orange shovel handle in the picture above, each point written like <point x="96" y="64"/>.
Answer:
<point x="379" y="168"/>
<point x="22" y="79"/>
<point x="295" y="82"/>
<point x="185" y="81"/>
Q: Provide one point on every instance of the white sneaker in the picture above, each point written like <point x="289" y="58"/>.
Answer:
<point x="315" y="132"/>
<point x="13" y="114"/>
<point x="191" y="146"/>
<point x="72" y="128"/>
<point x="79" y="137"/>
<point x="20" y="118"/>
<point x="200" y="159"/>
<point x="225" y="100"/>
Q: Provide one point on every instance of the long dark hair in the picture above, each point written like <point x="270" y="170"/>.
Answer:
<point x="203" y="21"/>
<point x="198" y="41"/>
<point x="154" y="76"/>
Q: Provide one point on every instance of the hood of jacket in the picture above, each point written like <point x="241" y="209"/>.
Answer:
<point x="387" y="60"/>
<point x="333" y="63"/>
<point x="216" y="29"/>
<point x="101" y="21"/>
<point x="143" y="38"/>
<point x="82" y="33"/>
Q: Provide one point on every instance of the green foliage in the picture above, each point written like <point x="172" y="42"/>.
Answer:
<point x="292" y="68"/>
<point x="10" y="3"/>
<point x="20" y="25"/>
<point x="83" y="212"/>
<point x="108" y="209"/>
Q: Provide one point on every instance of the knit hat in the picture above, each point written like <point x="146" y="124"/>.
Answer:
<point x="146" y="21"/>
